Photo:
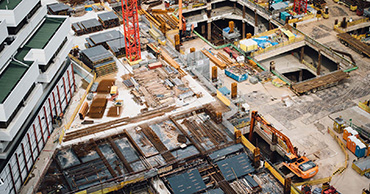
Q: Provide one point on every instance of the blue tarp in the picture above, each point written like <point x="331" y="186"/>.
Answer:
<point x="227" y="29"/>
<point x="224" y="91"/>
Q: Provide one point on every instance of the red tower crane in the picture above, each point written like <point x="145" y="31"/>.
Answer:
<point x="131" y="29"/>
<point x="300" y="6"/>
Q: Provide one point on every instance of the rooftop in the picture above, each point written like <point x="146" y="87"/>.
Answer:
<point x="108" y="16"/>
<point x="106" y="36"/>
<point x="15" y="70"/>
<point x="10" y="77"/>
<point x="91" y="23"/>
<point x="97" y="53"/>
<point x="9" y="4"/>
<point x="58" y="7"/>
<point x="40" y="39"/>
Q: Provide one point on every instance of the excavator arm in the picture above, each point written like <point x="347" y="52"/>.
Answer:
<point x="255" y="117"/>
<point x="300" y="166"/>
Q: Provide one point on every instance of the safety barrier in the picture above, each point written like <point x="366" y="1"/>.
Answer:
<point x="286" y="43"/>
<point x="246" y="142"/>
<point x="223" y="98"/>
<point x="315" y="182"/>
<point x="280" y="178"/>
<point x="306" y="17"/>
<point x="68" y="125"/>
<point x="113" y="188"/>
<point x="88" y="69"/>
<point x="364" y="107"/>
<point x="358" y="21"/>
<point x="343" y="148"/>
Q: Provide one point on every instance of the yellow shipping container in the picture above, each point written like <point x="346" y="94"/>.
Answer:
<point x="289" y="34"/>
<point x="248" y="45"/>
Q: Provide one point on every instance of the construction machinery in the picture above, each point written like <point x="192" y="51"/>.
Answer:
<point x="301" y="166"/>
<point x="365" y="105"/>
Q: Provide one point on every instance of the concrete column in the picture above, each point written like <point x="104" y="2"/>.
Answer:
<point x="209" y="30"/>
<point x="318" y="69"/>
<point x="203" y="29"/>
<point x="255" y="22"/>
<point x="270" y="25"/>
<point x="255" y="18"/>
<point x="256" y="157"/>
<point x="243" y="29"/>
<point x="302" y="55"/>
<point x="287" y="185"/>
<point x="273" y="147"/>
<point x="234" y="11"/>
<point x="243" y="11"/>
<point x="300" y="78"/>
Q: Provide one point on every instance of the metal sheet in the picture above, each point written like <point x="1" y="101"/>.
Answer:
<point x="225" y="151"/>
<point x="238" y="165"/>
<point x="188" y="182"/>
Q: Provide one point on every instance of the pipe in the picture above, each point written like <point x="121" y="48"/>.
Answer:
<point x="351" y="69"/>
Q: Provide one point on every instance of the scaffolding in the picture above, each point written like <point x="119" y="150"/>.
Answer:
<point x="300" y="6"/>
<point x="131" y="29"/>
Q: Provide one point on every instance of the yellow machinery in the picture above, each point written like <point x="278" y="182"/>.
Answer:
<point x="353" y="7"/>
<point x="113" y="90"/>
<point x="365" y="105"/>
<point x="325" y="13"/>
<point x="339" y="125"/>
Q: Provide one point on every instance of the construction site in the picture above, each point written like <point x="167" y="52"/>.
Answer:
<point x="212" y="96"/>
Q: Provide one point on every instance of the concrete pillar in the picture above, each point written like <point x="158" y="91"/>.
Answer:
<point x="300" y="77"/>
<point x="209" y="13"/>
<point x="209" y="31"/>
<point x="234" y="90"/>
<point x="273" y="147"/>
<point x="234" y="11"/>
<point x="203" y="29"/>
<point x="302" y="55"/>
<point x="256" y="157"/>
<point x="255" y="18"/>
<point x="243" y="29"/>
<point x="318" y="69"/>
<point x="243" y="12"/>
<point x="270" y="25"/>
<point x="287" y="185"/>
<point x="255" y="22"/>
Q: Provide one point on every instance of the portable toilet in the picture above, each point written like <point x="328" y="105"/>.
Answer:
<point x="351" y="145"/>
<point x="349" y="131"/>
<point x="360" y="149"/>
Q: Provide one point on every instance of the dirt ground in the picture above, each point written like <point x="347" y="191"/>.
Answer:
<point x="306" y="118"/>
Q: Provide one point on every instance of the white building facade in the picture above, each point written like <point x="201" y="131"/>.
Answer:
<point x="36" y="85"/>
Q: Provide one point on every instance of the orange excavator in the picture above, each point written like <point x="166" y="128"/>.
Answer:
<point x="299" y="165"/>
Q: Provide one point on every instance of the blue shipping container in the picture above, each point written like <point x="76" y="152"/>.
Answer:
<point x="238" y="78"/>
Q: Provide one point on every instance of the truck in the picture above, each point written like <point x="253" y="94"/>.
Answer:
<point x="354" y="44"/>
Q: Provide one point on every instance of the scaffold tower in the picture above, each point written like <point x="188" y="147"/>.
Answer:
<point x="131" y="29"/>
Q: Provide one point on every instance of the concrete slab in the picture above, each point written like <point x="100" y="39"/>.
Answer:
<point x="359" y="117"/>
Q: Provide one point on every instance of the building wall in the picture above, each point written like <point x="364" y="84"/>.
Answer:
<point x="3" y="31"/>
<point x="22" y="35"/>
<point x="15" y="16"/>
<point x="19" y="165"/>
